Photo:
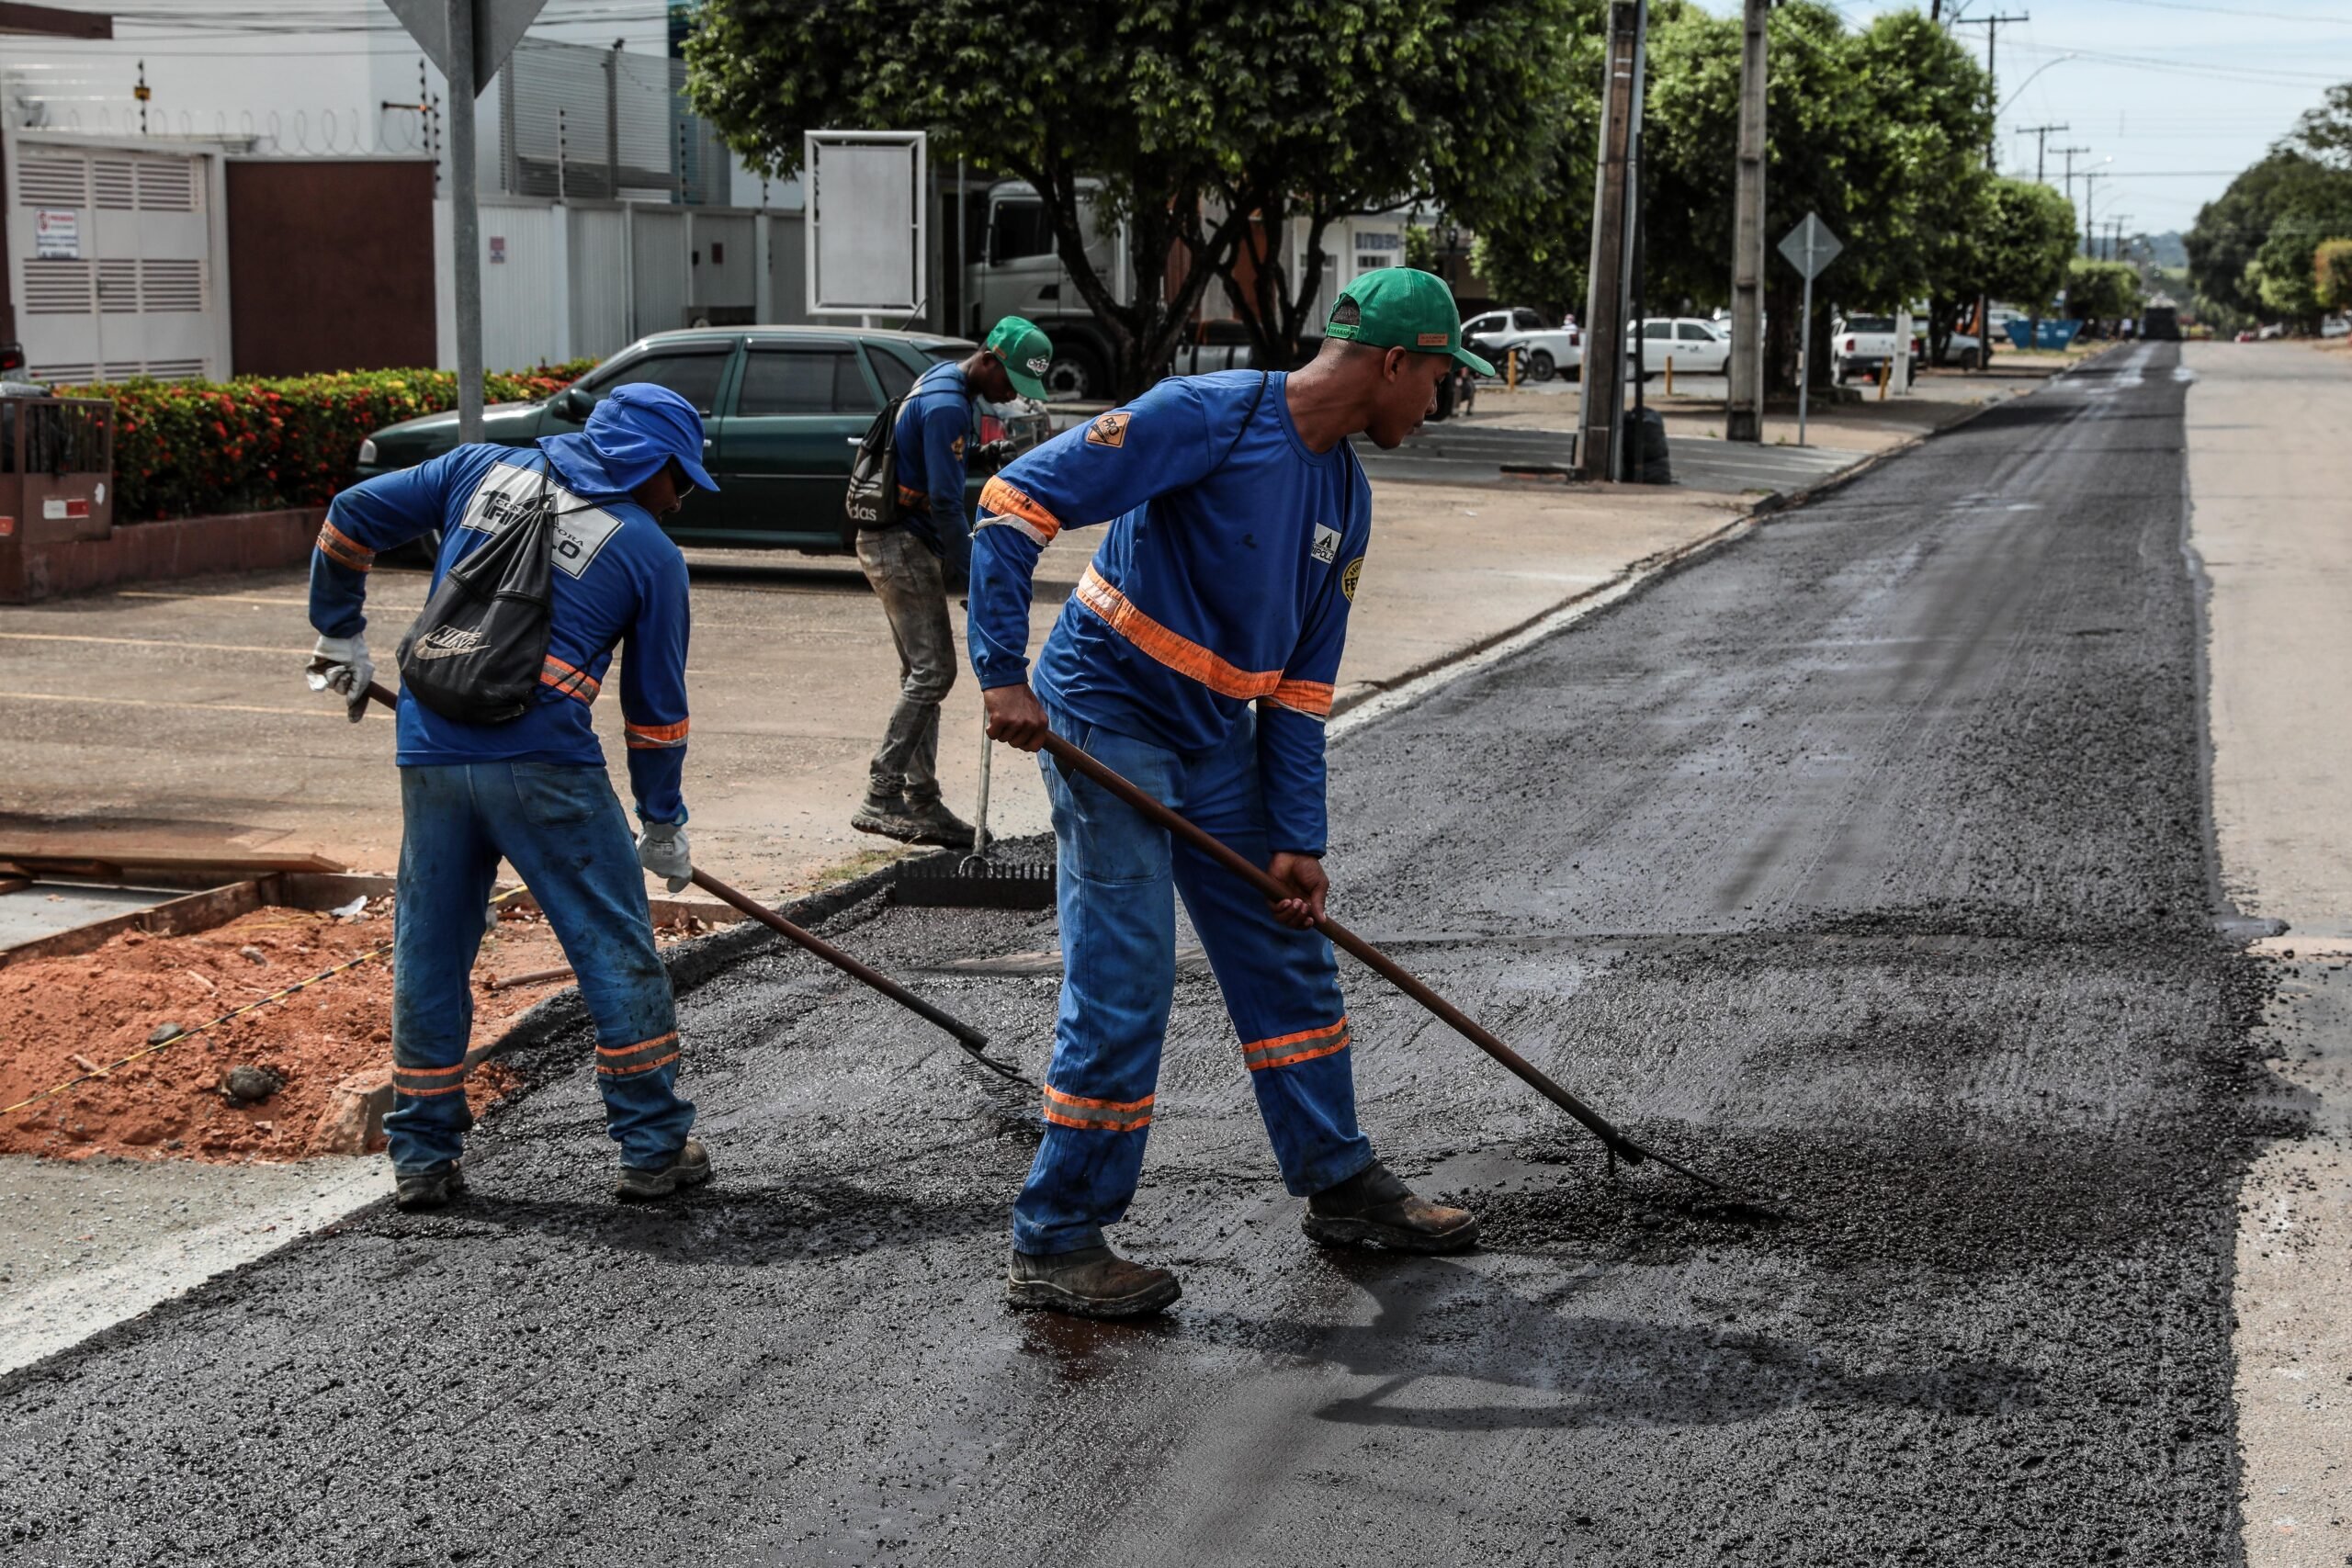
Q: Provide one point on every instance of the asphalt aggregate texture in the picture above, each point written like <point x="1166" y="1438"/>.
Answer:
<point x="1452" y="453"/>
<point x="1864" y="864"/>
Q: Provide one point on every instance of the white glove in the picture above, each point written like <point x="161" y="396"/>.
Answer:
<point x="662" y="849"/>
<point x="341" y="665"/>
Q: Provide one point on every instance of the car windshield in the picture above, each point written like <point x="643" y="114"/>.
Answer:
<point x="1871" y="325"/>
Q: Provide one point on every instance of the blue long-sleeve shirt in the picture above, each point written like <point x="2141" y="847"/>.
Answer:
<point x="1225" y="579"/>
<point x="933" y="432"/>
<point x="617" y="578"/>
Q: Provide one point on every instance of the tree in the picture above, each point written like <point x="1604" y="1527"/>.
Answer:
<point x="1051" y="93"/>
<point x="1335" y="107"/>
<point x="1534" y="225"/>
<point x="2020" y="248"/>
<point x="2331" y="275"/>
<point x="2101" y="290"/>
<point x="2250" y="251"/>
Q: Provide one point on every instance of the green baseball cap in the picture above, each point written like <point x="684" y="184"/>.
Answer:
<point x="1028" y="353"/>
<point x="1403" y="307"/>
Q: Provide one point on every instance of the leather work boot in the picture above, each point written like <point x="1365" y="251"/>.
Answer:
<point x="690" y="1166"/>
<point x="1373" y="1208"/>
<point x="934" y="824"/>
<point x="416" y="1192"/>
<point x="1094" y="1281"/>
<point x="885" y="815"/>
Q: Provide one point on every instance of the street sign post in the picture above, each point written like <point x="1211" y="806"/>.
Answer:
<point x="1810" y="246"/>
<point x="468" y="40"/>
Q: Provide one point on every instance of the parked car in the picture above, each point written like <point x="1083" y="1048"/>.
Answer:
<point x="783" y="409"/>
<point x="1543" y="350"/>
<point x="1696" y="348"/>
<point x="1864" y="345"/>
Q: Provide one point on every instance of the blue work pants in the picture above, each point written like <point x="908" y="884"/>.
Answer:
<point x="1117" y="875"/>
<point x="561" y="827"/>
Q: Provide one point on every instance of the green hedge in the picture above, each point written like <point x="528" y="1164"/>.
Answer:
<point x="193" y="448"/>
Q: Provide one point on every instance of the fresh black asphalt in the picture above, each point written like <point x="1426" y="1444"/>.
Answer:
<point x="1863" y="864"/>
<point x="1449" y="453"/>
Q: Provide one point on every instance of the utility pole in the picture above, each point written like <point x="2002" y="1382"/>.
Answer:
<point x="465" y="217"/>
<point x="2070" y="152"/>
<point x="1743" y="418"/>
<point x="2090" y="229"/>
<point x="1992" y="26"/>
<point x="2041" y="134"/>
<point x="1599" y="446"/>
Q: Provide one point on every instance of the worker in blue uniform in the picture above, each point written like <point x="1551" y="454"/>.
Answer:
<point x="914" y="561"/>
<point x="534" y="791"/>
<point x="1198" y="657"/>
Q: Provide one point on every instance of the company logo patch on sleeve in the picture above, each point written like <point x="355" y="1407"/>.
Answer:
<point x="1111" y="430"/>
<point x="1327" y="543"/>
<point x="1349" y="575"/>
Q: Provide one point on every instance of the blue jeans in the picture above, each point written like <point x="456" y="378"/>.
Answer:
<point x="561" y="827"/>
<point x="1116" y="875"/>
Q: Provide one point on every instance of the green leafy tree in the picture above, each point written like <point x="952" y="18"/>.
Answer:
<point x="1336" y="107"/>
<point x="1052" y="93"/>
<point x="2020" y="248"/>
<point x="2101" y="290"/>
<point x="2331" y="275"/>
<point x="2251" y="249"/>
<point x="1533" y="225"/>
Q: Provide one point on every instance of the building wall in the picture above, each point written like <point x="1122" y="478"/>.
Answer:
<point x="331" y="264"/>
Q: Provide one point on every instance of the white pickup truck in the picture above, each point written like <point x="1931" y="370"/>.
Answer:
<point x="1543" y="350"/>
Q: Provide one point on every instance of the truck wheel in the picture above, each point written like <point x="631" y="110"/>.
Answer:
<point x="1077" y="374"/>
<point x="1539" y="365"/>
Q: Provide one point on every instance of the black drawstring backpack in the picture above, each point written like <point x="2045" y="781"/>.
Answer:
<point x="871" y="504"/>
<point x="477" y="649"/>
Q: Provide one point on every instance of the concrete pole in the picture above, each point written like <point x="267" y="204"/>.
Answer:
<point x="1743" y="418"/>
<point x="1602" y="416"/>
<point x="464" y="218"/>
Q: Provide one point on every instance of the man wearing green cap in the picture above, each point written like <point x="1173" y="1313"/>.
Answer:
<point x="1198" y="657"/>
<point x="905" y="562"/>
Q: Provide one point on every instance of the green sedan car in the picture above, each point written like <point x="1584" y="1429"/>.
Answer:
<point x="783" y="410"/>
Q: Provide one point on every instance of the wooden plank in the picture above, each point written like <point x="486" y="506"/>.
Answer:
<point x="161" y="867"/>
<point x="54" y="21"/>
<point x="176" y="917"/>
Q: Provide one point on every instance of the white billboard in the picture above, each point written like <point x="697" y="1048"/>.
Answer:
<point x="864" y="229"/>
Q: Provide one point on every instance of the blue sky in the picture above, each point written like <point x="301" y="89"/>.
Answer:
<point x="2180" y="95"/>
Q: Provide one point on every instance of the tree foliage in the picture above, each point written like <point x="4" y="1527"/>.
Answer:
<point x="2331" y="275"/>
<point x="2101" y="290"/>
<point x="1052" y="93"/>
<point x="1336" y="107"/>
<point x="2020" y="250"/>
<point x="2251" y="249"/>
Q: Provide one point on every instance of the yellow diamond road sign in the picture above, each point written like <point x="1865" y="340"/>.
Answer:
<point x="1810" y="246"/>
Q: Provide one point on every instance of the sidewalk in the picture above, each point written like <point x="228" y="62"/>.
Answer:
<point x="176" y="718"/>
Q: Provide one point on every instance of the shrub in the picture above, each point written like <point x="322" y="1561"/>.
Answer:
<point x="192" y="448"/>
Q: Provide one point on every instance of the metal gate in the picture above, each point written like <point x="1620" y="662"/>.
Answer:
<point x="116" y="253"/>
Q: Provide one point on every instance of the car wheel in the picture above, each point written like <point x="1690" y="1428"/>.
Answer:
<point x="1539" y="365"/>
<point x="1076" y="375"/>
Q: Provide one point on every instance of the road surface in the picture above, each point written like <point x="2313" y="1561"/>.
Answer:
<point x="1864" y="864"/>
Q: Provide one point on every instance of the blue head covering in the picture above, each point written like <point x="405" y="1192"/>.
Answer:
<point x="635" y="430"/>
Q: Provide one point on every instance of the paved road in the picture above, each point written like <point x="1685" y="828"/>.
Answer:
<point x="1865" y="864"/>
<point x="1449" y="453"/>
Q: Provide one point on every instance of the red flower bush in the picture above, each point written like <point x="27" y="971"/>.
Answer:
<point x="195" y="448"/>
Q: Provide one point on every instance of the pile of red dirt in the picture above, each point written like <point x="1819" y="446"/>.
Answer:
<point x="60" y="1018"/>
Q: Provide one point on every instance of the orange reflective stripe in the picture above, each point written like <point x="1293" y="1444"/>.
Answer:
<point x="653" y="736"/>
<point x="569" y="681"/>
<point x="424" y="1083"/>
<point x="1096" y="1115"/>
<point x="1284" y="1050"/>
<point x="1002" y="502"/>
<point x="1312" y="698"/>
<point x="343" y="550"/>
<point x="1178" y="653"/>
<point x="627" y="1061"/>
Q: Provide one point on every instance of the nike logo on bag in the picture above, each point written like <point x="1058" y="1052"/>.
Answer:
<point x="448" y="642"/>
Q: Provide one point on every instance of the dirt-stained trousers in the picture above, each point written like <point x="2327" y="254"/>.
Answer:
<point x="561" y="826"/>
<point x="1118" y="877"/>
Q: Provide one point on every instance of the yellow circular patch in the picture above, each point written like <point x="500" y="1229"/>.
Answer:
<point x="1347" y="576"/>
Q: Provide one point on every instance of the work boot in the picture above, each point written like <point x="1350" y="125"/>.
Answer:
<point x="1094" y="1281"/>
<point x="934" y="824"/>
<point x="1373" y="1208"/>
<point x="418" y="1192"/>
<point x="690" y="1166"/>
<point x="885" y="815"/>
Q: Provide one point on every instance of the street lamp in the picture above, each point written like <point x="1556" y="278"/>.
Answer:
<point x="2029" y="81"/>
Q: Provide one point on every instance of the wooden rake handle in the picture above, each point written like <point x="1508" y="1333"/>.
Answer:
<point x="969" y="1038"/>
<point x="1389" y="969"/>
